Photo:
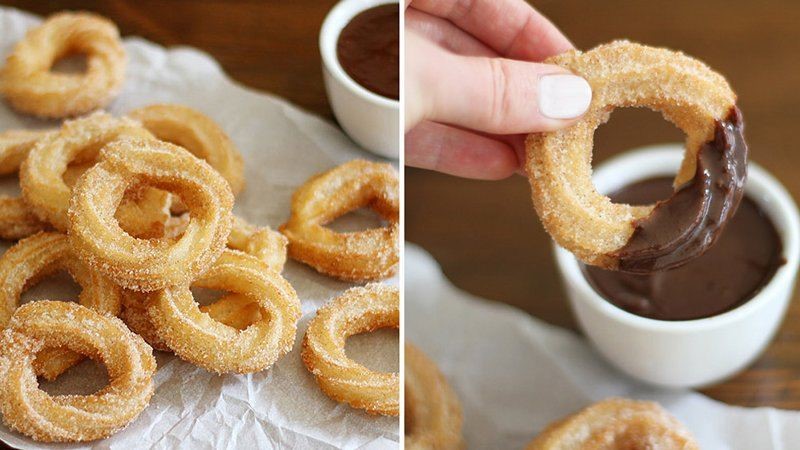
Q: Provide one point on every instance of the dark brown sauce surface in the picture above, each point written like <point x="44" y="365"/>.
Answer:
<point x="688" y="223"/>
<point x="369" y="50"/>
<point x="744" y="259"/>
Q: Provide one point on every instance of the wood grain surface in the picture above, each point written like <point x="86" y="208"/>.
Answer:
<point x="487" y="236"/>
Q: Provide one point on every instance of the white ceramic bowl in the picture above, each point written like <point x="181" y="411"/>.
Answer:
<point x="689" y="353"/>
<point x="369" y="119"/>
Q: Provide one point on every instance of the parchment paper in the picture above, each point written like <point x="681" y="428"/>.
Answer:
<point x="515" y="374"/>
<point x="282" y="147"/>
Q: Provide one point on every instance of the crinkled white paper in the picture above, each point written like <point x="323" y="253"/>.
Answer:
<point x="515" y="374"/>
<point x="282" y="147"/>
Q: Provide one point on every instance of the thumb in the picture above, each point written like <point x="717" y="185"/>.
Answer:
<point x="493" y="95"/>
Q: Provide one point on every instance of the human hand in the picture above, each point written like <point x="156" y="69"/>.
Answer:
<point x="473" y="88"/>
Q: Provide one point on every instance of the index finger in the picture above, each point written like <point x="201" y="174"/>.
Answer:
<point x="511" y="27"/>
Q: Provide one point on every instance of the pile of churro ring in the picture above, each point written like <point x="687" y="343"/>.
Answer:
<point x="138" y="210"/>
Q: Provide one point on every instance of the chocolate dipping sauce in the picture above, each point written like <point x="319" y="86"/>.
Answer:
<point x="369" y="50"/>
<point x="688" y="223"/>
<point x="743" y="260"/>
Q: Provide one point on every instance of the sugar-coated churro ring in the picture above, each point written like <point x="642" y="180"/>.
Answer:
<point x="42" y="174"/>
<point x="148" y="265"/>
<point x="36" y="257"/>
<point x="432" y="410"/>
<point x="623" y="74"/>
<point x="616" y="424"/>
<point x="197" y="133"/>
<point x="357" y="310"/>
<point x="196" y="337"/>
<point x="144" y="212"/>
<point x="356" y="256"/>
<point x="72" y="418"/>
<point x="29" y="84"/>
<point x="234" y="310"/>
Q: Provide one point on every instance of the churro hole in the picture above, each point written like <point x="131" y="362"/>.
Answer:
<point x="58" y="284"/>
<point x="360" y="219"/>
<point x="86" y="378"/>
<point x="71" y="63"/>
<point x="372" y="350"/>
<point x="240" y="320"/>
<point x="619" y="134"/>
<point x="206" y="296"/>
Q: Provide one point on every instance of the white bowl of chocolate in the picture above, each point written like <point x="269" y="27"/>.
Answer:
<point x="360" y="46"/>
<point x="706" y="320"/>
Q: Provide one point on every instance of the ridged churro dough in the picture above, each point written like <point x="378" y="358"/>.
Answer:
<point x="72" y="418"/>
<point x="197" y="133"/>
<point x="29" y="85"/>
<point x="45" y="174"/>
<point x="357" y="310"/>
<point x="34" y="258"/>
<point x="196" y="337"/>
<point x="149" y="265"/>
<point x="615" y="424"/>
<point x="235" y="310"/>
<point x="432" y="410"/>
<point x="559" y="163"/>
<point x="356" y="256"/>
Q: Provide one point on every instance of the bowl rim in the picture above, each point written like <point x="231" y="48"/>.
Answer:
<point x="668" y="158"/>
<point x="336" y="19"/>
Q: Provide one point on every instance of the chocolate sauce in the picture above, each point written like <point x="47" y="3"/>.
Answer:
<point x="369" y="50"/>
<point x="736" y="268"/>
<point x="687" y="224"/>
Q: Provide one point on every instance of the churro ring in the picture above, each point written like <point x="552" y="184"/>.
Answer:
<point x="71" y="418"/>
<point x="42" y="174"/>
<point x="357" y="310"/>
<point x="708" y="187"/>
<point x="144" y="212"/>
<point x="36" y="257"/>
<point x="30" y="86"/>
<point x="197" y="133"/>
<point x="432" y="410"/>
<point x="616" y="424"/>
<point x="235" y="310"/>
<point x="196" y="337"/>
<point x="355" y="256"/>
<point x="148" y="265"/>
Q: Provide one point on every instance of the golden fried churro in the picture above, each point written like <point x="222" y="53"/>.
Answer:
<point x="356" y="256"/>
<point x="708" y="187"/>
<point x="432" y="411"/>
<point x="36" y="257"/>
<point x="149" y="265"/>
<point x="29" y="84"/>
<point x="197" y="133"/>
<point x="616" y="424"/>
<point x="357" y="310"/>
<point x="198" y="338"/>
<point x="72" y="418"/>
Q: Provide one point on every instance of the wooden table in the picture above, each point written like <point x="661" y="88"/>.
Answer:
<point x="266" y="45"/>
<point x="487" y="236"/>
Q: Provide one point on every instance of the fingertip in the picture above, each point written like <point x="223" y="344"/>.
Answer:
<point x="564" y="96"/>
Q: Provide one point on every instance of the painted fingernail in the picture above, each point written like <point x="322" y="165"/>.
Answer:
<point x="563" y="96"/>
